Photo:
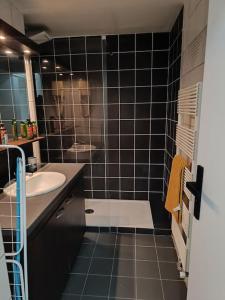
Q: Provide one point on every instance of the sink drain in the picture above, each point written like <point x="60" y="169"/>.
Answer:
<point x="89" y="211"/>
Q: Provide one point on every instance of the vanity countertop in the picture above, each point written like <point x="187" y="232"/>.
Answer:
<point x="39" y="207"/>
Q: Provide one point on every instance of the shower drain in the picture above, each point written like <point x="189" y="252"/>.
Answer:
<point x="89" y="211"/>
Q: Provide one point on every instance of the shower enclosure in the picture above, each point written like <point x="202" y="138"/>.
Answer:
<point x="110" y="101"/>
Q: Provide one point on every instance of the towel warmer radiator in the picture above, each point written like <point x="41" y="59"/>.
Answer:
<point x="13" y="225"/>
<point x="188" y="109"/>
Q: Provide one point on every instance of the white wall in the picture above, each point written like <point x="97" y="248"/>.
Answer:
<point x="193" y="41"/>
<point x="10" y="14"/>
<point x="207" y="263"/>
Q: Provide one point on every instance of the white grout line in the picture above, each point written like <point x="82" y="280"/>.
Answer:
<point x="99" y="297"/>
<point x="166" y="124"/>
<point x="73" y="102"/>
<point x="100" y="86"/>
<point x="107" y="52"/>
<point x="128" y="190"/>
<point x="130" y="259"/>
<point x="150" y="120"/>
<point x="45" y="121"/>
<point x="136" y="245"/>
<point x="58" y="105"/>
<point x="159" y="269"/>
<point x="111" y="275"/>
<point x="89" y="118"/>
<point x="102" y="69"/>
<point x="135" y="266"/>
<point x="135" y="99"/>
<point x="101" y="177"/>
<point x="91" y="260"/>
<point x="11" y="90"/>
<point x="100" y="119"/>
<point x="119" y="116"/>
<point x="160" y="101"/>
<point x="104" y="99"/>
<point x="124" y="276"/>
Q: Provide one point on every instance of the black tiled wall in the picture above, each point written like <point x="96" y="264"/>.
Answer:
<point x="173" y="87"/>
<point x="111" y="93"/>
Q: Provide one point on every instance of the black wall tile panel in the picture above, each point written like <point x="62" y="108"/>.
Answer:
<point x="111" y="94"/>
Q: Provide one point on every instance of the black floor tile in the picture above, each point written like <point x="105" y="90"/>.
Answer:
<point x="75" y="284"/>
<point x="97" y="285"/>
<point x="123" y="267"/>
<point x="164" y="241"/>
<point x="123" y="287"/>
<point x="116" y="298"/>
<point x="169" y="270"/>
<point x="149" y="289"/>
<point x="162" y="229"/>
<point x="126" y="229"/>
<point x="144" y="231"/>
<point x="86" y="250"/>
<point x="125" y="239"/>
<point x="101" y="266"/>
<point x="81" y="265"/>
<point x="104" y="251"/>
<point x="132" y="261"/>
<point x="174" y="290"/>
<point x="106" y="239"/>
<point x="70" y="297"/>
<point x="146" y="253"/>
<point x="145" y="240"/>
<point x="147" y="269"/>
<point x="90" y="237"/>
<point x="125" y="252"/>
<point x="167" y="254"/>
<point x="93" y="298"/>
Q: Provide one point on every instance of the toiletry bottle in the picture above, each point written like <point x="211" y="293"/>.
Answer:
<point x="34" y="127"/>
<point x="2" y="132"/>
<point x="32" y="163"/>
<point x="6" y="141"/>
<point x="29" y="129"/>
<point x="23" y="130"/>
<point x="4" y="135"/>
<point x="14" y="130"/>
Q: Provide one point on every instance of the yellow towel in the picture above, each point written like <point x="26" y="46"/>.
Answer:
<point x="174" y="193"/>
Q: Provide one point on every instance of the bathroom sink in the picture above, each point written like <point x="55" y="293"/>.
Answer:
<point x="39" y="183"/>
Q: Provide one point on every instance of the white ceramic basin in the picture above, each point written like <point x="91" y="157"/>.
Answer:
<point x="39" y="183"/>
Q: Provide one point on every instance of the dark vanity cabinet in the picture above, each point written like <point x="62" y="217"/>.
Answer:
<point x="53" y="248"/>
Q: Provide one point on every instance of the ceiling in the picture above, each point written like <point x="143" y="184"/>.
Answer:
<point x="90" y="17"/>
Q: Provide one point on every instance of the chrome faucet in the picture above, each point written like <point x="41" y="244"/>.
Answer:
<point x="29" y="173"/>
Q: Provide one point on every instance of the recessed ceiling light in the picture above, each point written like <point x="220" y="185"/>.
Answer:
<point x="27" y="51"/>
<point x="45" y="61"/>
<point x="60" y="74"/>
<point x="44" y="68"/>
<point x="71" y="74"/>
<point x="2" y="37"/>
<point x="58" y="67"/>
<point x="8" y="52"/>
